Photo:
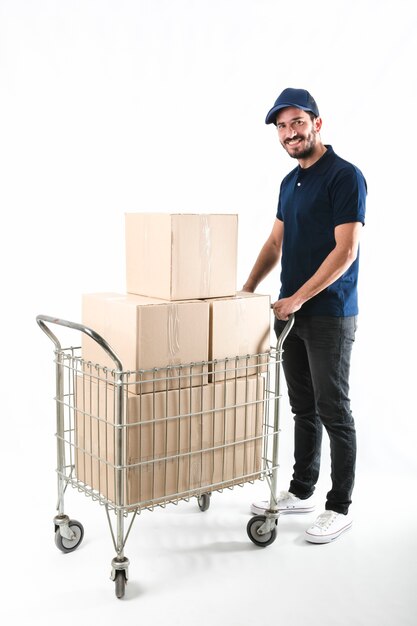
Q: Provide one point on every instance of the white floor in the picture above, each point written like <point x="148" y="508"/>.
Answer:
<point x="189" y="567"/>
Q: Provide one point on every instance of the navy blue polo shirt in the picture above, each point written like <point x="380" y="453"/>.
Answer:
<point x="312" y="201"/>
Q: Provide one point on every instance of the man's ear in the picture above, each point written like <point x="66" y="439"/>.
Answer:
<point x="318" y="122"/>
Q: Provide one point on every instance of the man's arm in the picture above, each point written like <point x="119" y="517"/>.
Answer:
<point x="334" y="265"/>
<point x="268" y="257"/>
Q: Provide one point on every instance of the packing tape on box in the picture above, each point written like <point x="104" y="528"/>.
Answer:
<point x="205" y="249"/>
<point x="173" y="336"/>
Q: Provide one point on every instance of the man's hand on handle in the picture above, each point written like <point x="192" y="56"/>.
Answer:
<point x="283" y="308"/>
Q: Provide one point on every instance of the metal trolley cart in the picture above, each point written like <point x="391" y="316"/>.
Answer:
<point x="138" y="440"/>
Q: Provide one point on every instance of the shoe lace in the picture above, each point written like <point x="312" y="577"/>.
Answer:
<point x="326" y="519"/>
<point x="285" y="495"/>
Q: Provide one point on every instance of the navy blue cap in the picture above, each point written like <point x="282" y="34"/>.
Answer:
<point x="298" y="98"/>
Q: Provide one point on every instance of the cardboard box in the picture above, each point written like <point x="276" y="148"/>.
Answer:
<point x="239" y="326"/>
<point x="180" y="256"/>
<point x="147" y="333"/>
<point x="175" y="442"/>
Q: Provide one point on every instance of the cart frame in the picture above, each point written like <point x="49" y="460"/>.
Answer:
<point x="69" y="533"/>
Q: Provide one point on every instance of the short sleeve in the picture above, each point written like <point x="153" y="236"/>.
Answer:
<point x="348" y="195"/>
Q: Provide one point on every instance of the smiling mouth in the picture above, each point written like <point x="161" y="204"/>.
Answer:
<point x="293" y="142"/>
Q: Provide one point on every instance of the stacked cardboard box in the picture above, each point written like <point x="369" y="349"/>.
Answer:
<point x="176" y="440"/>
<point x="186" y="427"/>
<point x="181" y="257"/>
<point x="149" y="334"/>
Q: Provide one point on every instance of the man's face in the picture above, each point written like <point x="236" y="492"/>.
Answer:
<point x="297" y="133"/>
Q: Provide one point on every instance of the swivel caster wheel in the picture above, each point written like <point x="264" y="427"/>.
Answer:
<point x="120" y="583"/>
<point x="204" y="501"/>
<point x="120" y="575"/>
<point x="69" y="541"/>
<point x="254" y="525"/>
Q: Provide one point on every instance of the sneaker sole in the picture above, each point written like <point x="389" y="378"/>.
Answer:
<point x="257" y="511"/>
<point x="326" y="538"/>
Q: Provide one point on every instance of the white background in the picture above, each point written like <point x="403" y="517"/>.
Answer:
<point x="109" y="107"/>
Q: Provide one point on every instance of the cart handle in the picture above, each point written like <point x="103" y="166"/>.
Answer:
<point x="41" y="319"/>
<point x="285" y="331"/>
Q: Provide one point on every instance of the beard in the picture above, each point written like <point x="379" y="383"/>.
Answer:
<point x="304" y="150"/>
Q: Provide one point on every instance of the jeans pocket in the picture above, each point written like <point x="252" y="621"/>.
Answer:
<point x="349" y="326"/>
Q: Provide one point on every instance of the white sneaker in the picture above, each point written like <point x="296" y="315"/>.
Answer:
<point x="328" y="527"/>
<point x="287" y="503"/>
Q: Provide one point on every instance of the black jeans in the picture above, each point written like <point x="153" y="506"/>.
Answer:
<point x="316" y="363"/>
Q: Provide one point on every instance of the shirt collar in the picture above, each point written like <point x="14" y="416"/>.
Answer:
<point x="320" y="166"/>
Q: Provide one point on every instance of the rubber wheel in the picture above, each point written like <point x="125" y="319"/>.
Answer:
<point x="204" y="501"/>
<point x="69" y="545"/>
<point x="120" y="583"/>
<point x="260" y="540"/>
